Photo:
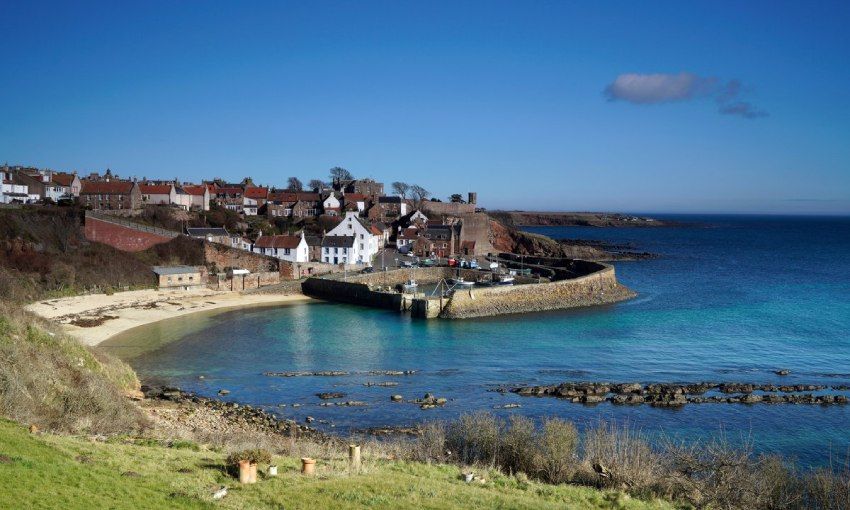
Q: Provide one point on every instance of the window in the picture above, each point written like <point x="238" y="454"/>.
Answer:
<point x="361" y="236"/>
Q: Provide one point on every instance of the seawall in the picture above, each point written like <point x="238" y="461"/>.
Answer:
<point x="597" y="285"/>
<point x="597" y="288"/>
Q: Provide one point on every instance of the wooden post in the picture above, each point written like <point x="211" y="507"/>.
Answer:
<point x="308" y="466"/>
<point x="354" y="456"/>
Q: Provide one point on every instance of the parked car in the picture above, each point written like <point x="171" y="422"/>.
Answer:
<point x="473" y="264"/>
<point x="369" y="269"/>
<point x="452" y="262"/>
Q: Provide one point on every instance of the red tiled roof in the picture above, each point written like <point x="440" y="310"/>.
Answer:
<point x="63" y="179"/>
<point x="155" y="189"/>
<point x="309" y="197"/>
<point x="375" y="230"/>
<point x="230" y="191"/>
<point x="409" y="233"/>
<point x="256" y="192"/>
<point x="106" y="188"/>
<point x="283" y="196"/>
<point x="278" y="242"/>
<point x="195" y="190"/>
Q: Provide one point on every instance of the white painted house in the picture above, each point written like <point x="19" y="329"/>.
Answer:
<point x="11" y="192"/>
<point x="367" y="240"/>
<point x="338" y="249"/>
<point x="331" y="205"/>
<point x="292" y="248"/>
<point x="158" y="194"/>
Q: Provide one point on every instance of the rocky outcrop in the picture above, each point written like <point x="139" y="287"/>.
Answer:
<point x="671" y="395"/>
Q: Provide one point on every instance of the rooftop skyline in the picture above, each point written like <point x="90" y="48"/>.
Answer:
<point x="661" y="107"/>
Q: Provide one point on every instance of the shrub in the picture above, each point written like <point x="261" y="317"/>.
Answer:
<point x="474" y="438"/>
<point x="430" y="444"/>
<point x="254" y="455"/>
<point x="519" y="447"/>
<point x="621" y="458"/>
<point x="557" y="444"/>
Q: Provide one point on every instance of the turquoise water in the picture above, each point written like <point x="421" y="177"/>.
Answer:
<point x="731" y="299"/>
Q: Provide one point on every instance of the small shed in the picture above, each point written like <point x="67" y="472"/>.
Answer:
<point x="179" y="277"/>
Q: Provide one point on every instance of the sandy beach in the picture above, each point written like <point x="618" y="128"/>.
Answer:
<point x="95" y="318"/>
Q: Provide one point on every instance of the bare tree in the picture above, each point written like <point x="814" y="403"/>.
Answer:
<point x="316" y="184"/>
<point x="401" y="188"/>
<point x="420" y="194"/>
<point x="294" y="184"/>
<point x="341" y="174"/>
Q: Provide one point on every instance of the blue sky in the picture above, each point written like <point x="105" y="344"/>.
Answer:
<point x="535" y="105"/>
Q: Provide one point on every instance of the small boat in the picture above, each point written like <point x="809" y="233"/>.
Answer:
<point x="503" y="279"/>
<point x="461" y="282"/>
<point x="410" y="286"/>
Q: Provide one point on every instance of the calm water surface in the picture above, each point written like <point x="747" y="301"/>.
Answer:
<point x="732" y="299"/>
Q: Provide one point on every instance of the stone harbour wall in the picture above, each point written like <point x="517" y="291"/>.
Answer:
<point x="599" y="287"/>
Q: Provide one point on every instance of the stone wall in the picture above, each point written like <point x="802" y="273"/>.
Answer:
<point x="221" y="281"/>
<point x="348" y="291"/>
<point x="224" y="257"/>
<point x="600" y="287"/>
<point x="121" y="237"/>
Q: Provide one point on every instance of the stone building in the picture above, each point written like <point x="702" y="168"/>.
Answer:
<point x="110" y="195"/>
<point x="179" y="277"/>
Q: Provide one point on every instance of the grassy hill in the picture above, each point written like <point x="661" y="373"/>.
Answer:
<point x="49" y="471"/>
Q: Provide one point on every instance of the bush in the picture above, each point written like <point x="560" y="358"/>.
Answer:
<point x="621" y="458"/>
<point x="474" y="438"/>
<point x="254" y="456"/>
<point x="430" y="444"/>
<point x="519" y="448"/>
<point x="556" y="457"/>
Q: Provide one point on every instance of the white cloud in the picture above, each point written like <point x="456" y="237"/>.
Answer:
<point x="666" y="88"/>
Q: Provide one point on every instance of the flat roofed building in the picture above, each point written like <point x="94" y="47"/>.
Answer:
<point x="179" y="277"/>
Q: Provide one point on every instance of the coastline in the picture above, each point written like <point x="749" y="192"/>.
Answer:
<point x="95" y="318"/>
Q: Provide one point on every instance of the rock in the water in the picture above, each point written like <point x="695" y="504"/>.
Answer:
<point x="396" y="398"/>
<point x="223" y="392"/>
<point x="783" y="371"/>
<point x="330" y="395"/>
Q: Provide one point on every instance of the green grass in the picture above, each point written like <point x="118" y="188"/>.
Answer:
<point x="52" y="471"/>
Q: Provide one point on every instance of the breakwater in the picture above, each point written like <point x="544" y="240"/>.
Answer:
<point x="570" y="284"/>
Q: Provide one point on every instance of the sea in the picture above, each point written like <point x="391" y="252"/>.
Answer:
<point x="728" y="299"/>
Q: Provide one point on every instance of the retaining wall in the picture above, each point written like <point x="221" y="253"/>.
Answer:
<point x="122" y="237"/>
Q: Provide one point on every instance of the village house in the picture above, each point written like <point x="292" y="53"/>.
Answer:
<point x="314" y="246"/>
<point x="355" y="201"/>
<point x="110" y="195"/>
<point x="10" y="191"/>
<point x="230" y="197"/>
<point x="254" y="198"/>
<point x="437" y="241"/>
<point x="388" y="209"/>
<point x="70" y="184"/>
<point x="158" y="194"/>
<point x="307" y="205"/>
<point x="331" y="205"/>
<point x="338" y="249"/>
<point x="291" y="248"/>
<point x="182" y="199"/>
<point x="38" y="184"/>
<point x="369" y="239"/>
<point x="406" y="238"/>
<point x="199" y="195"/>
<point x="179" y="277"/>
